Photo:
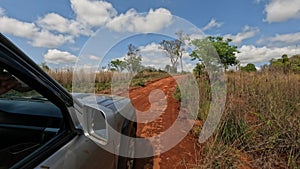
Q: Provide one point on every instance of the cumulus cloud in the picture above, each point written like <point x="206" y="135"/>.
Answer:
<point x="55" y="22"/>
<point x="37" y="37"/>
<point x="94" y="13"/>
<point x="253" y="54"/>
<point x="50" y="40"/>
<point x="281" y="39"/>
<point x="282" y="10"/>
<point x="154" y="56"/>
<point x="134" y="22"/>
<point x="248" y="32"/>
<point x="55" y="56"/>
<point x="212" y="24"/>
<point x="17" y="28"/>
<point x="152" y="47"/>
<point x="53" y="30"/>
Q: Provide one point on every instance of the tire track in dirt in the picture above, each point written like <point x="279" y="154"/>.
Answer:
<point x="165" y="109"/>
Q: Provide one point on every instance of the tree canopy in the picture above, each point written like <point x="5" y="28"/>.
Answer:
<point x="207" y="48"/>
<point x="118" y="65"/>
<point x="250" y="67"/>
<point x="286" y="64"/>
<point x="133" y="59"/>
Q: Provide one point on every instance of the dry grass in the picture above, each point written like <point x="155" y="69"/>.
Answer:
<point x="101" y="80"/>
<point x="261" y="123"/>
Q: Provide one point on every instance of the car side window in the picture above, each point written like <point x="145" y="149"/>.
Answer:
<point x="28" y="120"/>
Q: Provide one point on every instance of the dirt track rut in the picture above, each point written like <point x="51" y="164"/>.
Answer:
<point x="165" y="111"/>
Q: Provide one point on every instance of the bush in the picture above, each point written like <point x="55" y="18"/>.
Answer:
<point x="177" y="94"/>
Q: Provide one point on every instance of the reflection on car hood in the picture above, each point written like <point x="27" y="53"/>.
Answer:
<point x="112" y="102"/>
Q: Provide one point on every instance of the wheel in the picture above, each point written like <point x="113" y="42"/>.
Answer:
<point x="128" y="147"/>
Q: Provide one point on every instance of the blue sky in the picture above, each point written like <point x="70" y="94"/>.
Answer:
<point x="55" y="31"/>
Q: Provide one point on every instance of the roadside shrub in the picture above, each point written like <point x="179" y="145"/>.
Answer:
<point x="177" y="94"/>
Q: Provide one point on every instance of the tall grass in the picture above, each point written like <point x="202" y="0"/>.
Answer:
<point x="260" y="127"/>
<point x="101" y="81"/>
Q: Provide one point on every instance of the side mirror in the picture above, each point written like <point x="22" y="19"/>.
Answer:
<point x="94" y="124"/>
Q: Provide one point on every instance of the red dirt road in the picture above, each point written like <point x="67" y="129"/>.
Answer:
<point x="183" y="155"/>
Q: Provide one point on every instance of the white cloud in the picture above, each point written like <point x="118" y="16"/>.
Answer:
<point x="212" y="23"/>
<point x="153" y="55"/>
<point x="55" y="22"/>
<point x="95" y="58"/>
<point x="152" y="47"/>
<point x="281" y="39"/>
<point x="282" y="10"/>
<point x="55" y="56"/>
<point x="248" y="32"/>
<point x="134" y="22"/>
<point x="17" y="28"/>
<point x="253" y="54"/>
<point x="94" y="13"/>
<point x="53" y="30"/>
<point x="50" y="40"/>
<point x="36" y="36"/>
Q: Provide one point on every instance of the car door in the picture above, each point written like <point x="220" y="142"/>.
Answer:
<point x="41" y="129"/>
<point x="35" y="124"/>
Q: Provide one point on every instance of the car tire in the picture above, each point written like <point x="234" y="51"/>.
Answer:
<point x="128" y="148"/>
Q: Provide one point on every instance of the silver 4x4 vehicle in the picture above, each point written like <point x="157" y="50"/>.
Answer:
<point x="47" y="127"/>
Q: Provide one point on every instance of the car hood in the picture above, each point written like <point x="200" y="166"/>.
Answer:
<point x="115" y="103"/>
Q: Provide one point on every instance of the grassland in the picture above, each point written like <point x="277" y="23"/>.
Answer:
<point x="260" y="125"/>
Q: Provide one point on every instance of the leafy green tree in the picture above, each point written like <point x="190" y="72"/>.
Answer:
<point x="282" y="64"/>
<point x="250" y="67"/>
<point x="285" y="58"/>
<point x="199" y="69"/>
<point x="295" y="63"/>
<point x="133" y="59"/>
<point x="225" y="51"/>
<point x="207" y="49"/>
<point x="118" y="65"/>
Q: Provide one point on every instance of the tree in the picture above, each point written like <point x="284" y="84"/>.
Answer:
<point x="206" y="48"/>
<point x="250" y="67"/>
<point x="168" y="68"/>
<point x="285" y="64"/>
<point x="44" y="66"/>
<point x="180" y="49"/>
<point x="199" y="69"/>
<point x="133" y="59"/>
<point x="118" y="65"/>
<point x="174" y="50"/>
<point x="170" y="47"/>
